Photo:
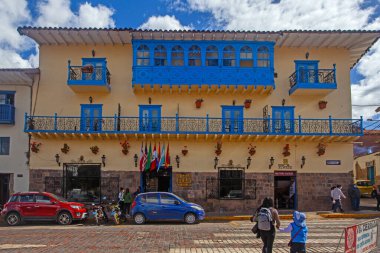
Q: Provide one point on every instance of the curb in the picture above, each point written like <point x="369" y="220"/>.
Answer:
<point x="242" y="217"/>
<point x="349" y="215"/>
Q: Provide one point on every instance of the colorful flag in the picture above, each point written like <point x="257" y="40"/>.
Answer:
<point x="153" y="164"/>
<point x="148" y="158"/>
<point x="145" y="158"/>
<point x="167" y="158"/>
<point x="141" y="157"/>
<point x="162" y="158"/>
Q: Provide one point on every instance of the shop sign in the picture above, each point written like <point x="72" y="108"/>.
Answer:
<point x="184" y="180"/>
<point x="333" y="162"/>
<point x="284" y="173"/>
<point x="284" y="167"/>
<point x="361" y="238"/>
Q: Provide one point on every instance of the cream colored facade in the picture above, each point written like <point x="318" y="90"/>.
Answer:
<point x="363" y="164"/>
<point x="55" y="96"/>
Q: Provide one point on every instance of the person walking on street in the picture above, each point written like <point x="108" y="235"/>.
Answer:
<point x="331" y="197"/>
<point x="378" y="197"/>
<point x="298" y="231"/>
<point x="337" y="194"/>
<point x="127" y="201"/>
<point x="267" y="218"/>
<point x="354" y="194"/>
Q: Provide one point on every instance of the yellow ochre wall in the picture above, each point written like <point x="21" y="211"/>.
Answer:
<point x="55" y="96"/>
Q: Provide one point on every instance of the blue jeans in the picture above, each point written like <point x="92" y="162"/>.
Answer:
<point x="298" y="247"/>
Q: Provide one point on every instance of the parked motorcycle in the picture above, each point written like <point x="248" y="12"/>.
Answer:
<point x="115" y="213"/>
<point x="100" y="214"/>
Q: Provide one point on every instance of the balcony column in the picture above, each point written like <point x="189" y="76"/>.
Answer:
<point x="330" y="125"/>
<point x="207" y="126"/>
<point x="334" y="65"/>
<point x="55" y="121"/>
<point x="115" y="122"/>
<point x="25" y="120"/>
<point x="68" y="69"/>
<point x="299" y="125"/>
<point x="176" y="123"/>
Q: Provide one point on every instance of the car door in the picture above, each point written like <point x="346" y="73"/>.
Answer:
<point x="44" y="207"/>
<point x="26" y="205"/>
<point x="170" y="208"/>
<point x="151" y="206"/>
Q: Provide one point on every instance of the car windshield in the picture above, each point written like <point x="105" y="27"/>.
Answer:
<point x="58" y="198"/>
<point x="181" y="199"/>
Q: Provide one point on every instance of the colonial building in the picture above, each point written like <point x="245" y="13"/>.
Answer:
<point x="15" y="101"/>
<point x="244" y="115"/>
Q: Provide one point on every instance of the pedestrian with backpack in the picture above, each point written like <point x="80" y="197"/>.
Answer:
<point x="267" y="218"/>
<point x="298" y="231"/>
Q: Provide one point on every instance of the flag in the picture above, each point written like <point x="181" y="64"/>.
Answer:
<point x="158" y="155"/>
<point x="141" y="157"/>
<point x="148" y="158"/>
<point x="153" y="164"/>
<point x="144" y="158"/>
<point x="162" y="158"/>
<point x="167" y="158"/>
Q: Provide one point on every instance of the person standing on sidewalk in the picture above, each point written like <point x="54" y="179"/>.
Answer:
<point x="127" y="202"/>
<point x="354" y="194"/>
<point x="337" y="194"/>
<point x="267" y="218"/>
<point x="378" y="197"/>
<point x="121" y="199"/>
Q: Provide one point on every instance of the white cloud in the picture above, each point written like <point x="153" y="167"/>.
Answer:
<point x="98" y="16"/>
<point x="164" y="23"/>
<point x="12" y="59"/>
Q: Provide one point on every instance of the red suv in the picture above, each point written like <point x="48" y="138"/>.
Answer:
<point x="41" y="206"/>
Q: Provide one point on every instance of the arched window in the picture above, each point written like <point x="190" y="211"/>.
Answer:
<point x="263" y="57"/>
<point x="212" y="56"/>
<point x="229" y="56"/>
<point x="246" y="57"/>
<point x="177" y="56"/>
<point x="160" y="56"/>
<point x="143" y="56"/>
<point x="195" y="56"/>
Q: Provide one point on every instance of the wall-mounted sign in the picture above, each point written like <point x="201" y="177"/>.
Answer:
<point x="184" y="180"/>
<point x="284" y="173"/>
<point x="284" y="167"/>
<point x="333" y="162"/>
<point x="285" y="161"/>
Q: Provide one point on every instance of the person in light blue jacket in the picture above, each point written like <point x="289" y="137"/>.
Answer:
<point x="298" y="231"/>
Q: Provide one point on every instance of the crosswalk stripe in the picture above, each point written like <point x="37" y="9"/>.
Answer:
<point x="250" y="241"/>
<point x="250" y="250"/>
<point x="277" y="235"/>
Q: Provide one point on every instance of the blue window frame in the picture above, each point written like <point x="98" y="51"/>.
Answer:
<point x="7" y="97"/>
<point x="195" y="56"/>
<point x="232" y="119"/>
<point x="91" y="117"/>
<point x="263" y="57"/>
<point x="177" y="56"/>
<point x="229" y="57"/>
<point x="99" y="68"/>
<point x="7" y="108"/>
<point x="212" y="58"/>
<point x="307" y="71"/>
<point x="4" y="145"/>
<point x="283" y="119"/>
<point x="143" y="56"/>
<point x="150" y="118"/>
<point x="246" y="57"/>
<point x="160" y="56"/>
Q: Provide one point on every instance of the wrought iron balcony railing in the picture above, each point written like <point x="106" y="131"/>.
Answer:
<point x="88" y="75"/>
<point x="194" y="125"/>
<point x="313" y="77"/>
<point x="7" y="114"/>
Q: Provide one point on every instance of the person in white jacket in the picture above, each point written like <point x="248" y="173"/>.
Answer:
<point x="336" y="195"/>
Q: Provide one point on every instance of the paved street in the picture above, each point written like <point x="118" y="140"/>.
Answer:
<point x="161" y="237"/>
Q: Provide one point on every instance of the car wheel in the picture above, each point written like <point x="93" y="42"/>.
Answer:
<point x="190" y="218"/>
<point x="64" y="218"/>
<point x="13" y="219"/>
<point x="139" y="218"/>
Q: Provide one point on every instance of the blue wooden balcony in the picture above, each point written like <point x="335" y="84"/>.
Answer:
<point x="7" y="114"/>
<point x="312" y="81"/>
<point x="89" y="77"/>
<point x="194" y="126"/>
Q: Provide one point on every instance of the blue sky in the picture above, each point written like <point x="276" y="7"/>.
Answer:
<point x="266" y="15"/>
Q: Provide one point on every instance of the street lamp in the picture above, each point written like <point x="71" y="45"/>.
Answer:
<point x="57" y="159"/>
<point x="271" y="162"/>
<point x="249" y="159"/>
<point x="177" y="160"/>
<point x="135" y="158"/>
<point x="216" y="160"/>
<point x="303" y="159"/>
<point x="104" y="160"/>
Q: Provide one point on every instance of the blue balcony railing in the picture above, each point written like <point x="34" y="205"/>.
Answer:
<point x="313" y="79"/>
<point x="88" y="75"/>
<point x="194" y="125"/>
<point x="7" y="114"/>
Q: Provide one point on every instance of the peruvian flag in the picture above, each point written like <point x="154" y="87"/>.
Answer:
<point x="144" y="158"/>
<point x="167" y="158"/>
<point x="153" y="164"/>
<point x="141" y="157"/>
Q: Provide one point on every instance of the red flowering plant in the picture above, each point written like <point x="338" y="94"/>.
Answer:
<point x="286" y="150"/>
<point x="251" y="150"/>
<point x="125" y="147"/>
<point x="94" y="149"/>
<point x="35" y="147"/>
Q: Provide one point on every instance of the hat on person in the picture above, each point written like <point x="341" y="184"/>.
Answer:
<point x="299" y="219"/>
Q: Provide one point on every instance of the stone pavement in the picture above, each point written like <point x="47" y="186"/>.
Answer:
<point x="226" y="237"/>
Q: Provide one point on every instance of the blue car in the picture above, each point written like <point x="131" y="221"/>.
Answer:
<point x="152" y="206"/>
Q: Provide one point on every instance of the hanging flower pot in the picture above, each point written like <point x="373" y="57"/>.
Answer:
<point x="322" y="104"/>
<point x="87" y="69"/>
<point x="321" y="149"/>
<point x="65" y="148"/>
<point x="125" y="147"/>
<point x="198" y="103"/>
<point x="35" y="147"/>
<point x="218" y="148"/>
<point x="251" y="150"/>
<point x="247" y="103"/>
<point x="286" y="150"/>
<point x="94" y="149"/>
<point x="184" y="151"/>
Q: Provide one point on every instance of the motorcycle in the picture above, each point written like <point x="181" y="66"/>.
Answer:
<point x="100" y="214"/>
<point x="115" y="213"/>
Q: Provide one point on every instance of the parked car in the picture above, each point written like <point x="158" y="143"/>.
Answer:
<point x="41" y="206"/>
<point x="366" y="188"/>
<point x="153" y="206"/>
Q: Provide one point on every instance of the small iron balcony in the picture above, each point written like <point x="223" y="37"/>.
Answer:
<point x="7" y="114"/>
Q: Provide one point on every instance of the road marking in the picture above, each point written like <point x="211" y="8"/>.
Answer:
<point x="337" y="234"/>
<point x="249" y="241"/>
<point x="21" y="246"/>
<point x="250" y="250"/>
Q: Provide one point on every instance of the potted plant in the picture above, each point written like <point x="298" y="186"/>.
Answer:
<point x="198" y="103"/>
<point x="65" y="148"/>
<point x="218" y="148"/>
<point x="286" y="151"/>
<point x="35" y="147"/>
<point x="322" y="104"/>
<point x="247" y="103"/>
<point x="125" y="147"/>
<point x="321" y="149"/>
<point x="87" y="69"/>
<point x="94" y="149"/>
<point x="251" y="150"/>
<point x="185" y="151"/>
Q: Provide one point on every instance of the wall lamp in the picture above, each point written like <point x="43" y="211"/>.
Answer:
<point x="57" y="159"/>
<point x="249" y="159"/>
<point x="303" y="160"/>
<point x="104" y="160"/>
<point x="216" y="160"/>
<point x="177" y="160"/>
<point x="135" y="158"/>
<point x="90" y="99"/>
<point x="271" y="162"/>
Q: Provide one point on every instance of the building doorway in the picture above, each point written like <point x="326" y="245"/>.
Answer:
<point x="161" y="180"/>
<point x="4" y="188"/>
<point x="285" y="189"/>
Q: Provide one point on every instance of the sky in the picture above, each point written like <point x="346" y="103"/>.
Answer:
<point x="261" y="15"/>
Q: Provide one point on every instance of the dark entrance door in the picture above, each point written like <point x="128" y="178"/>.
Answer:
<point x="4" y="188"/>
<point x="157" y="180"/>
<point x="285" y="189"/>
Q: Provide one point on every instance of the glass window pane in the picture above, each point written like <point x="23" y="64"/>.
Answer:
<point x="28" y="198"/>
<point x="152" y="198"/>
<point x="4" y="145"/>
<point x="167" y="199"/>
<point x="42" y="199"/>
